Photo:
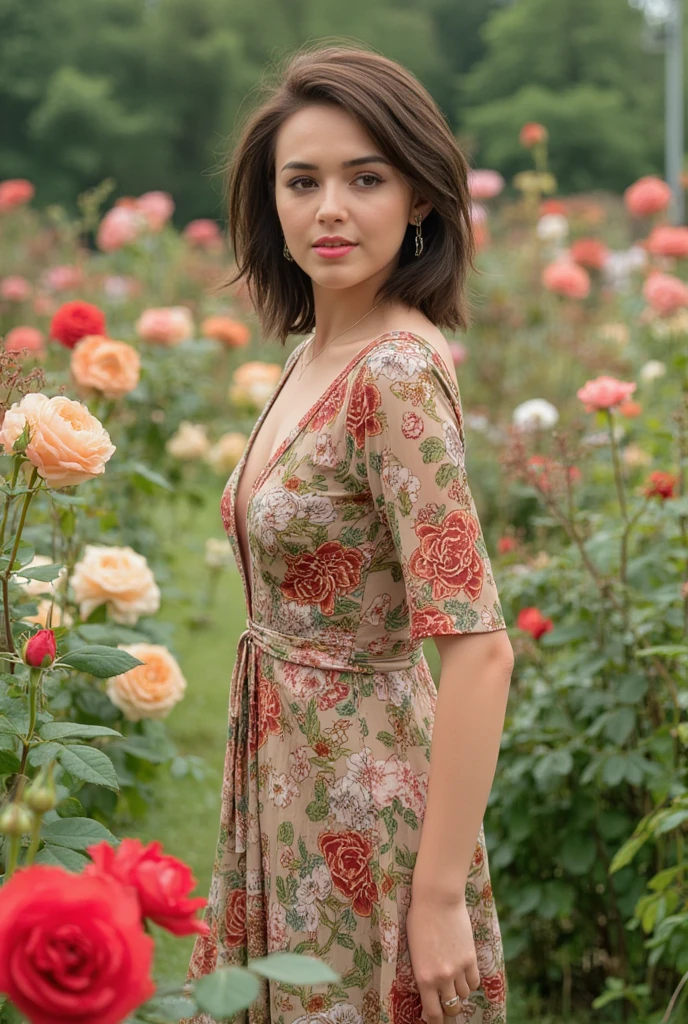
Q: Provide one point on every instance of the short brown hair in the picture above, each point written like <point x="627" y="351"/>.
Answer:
<point x="407" y="125"/>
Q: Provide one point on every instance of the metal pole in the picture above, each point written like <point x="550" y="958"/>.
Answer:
<point x="673" y="119"/>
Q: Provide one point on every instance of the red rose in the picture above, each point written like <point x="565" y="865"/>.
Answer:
<point x="532" y="133"/>
<point x="76" y="320"/>
<point x="590" y="252"/>
<point x="72" y="947"/>
<point x="506" y="544"/>
<point x="660" y="485"/>
<point x="161" y="882"/>
<point x="319" y="577"/>
<point x="40" y="649"/>
<point x="447" y="556"/>
<point x="235" y="919"/>
<point x="361" y="417"/>
<point x="531" y="620"/>
<point x="348" y="855"/>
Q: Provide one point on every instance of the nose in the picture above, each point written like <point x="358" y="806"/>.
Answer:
<point x="332" y="205"/>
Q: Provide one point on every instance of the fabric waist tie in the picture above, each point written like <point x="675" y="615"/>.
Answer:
<point x="240" y="811"/>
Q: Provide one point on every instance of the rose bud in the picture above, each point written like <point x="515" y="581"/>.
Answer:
<point x="16" y="820"/>
<point x="41" y="795"/>
<point x="40" y="650"/>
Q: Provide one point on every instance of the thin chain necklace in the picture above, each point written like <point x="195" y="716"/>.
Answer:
<point x="334" y="339"/>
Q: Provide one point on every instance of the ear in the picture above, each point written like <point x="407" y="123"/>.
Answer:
<point x="422" y="207"/>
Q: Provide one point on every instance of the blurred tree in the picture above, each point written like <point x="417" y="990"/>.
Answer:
<point x="584" y="70"/>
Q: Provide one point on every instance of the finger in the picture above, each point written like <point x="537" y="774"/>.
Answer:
<point x="473" y="978"/>
<point x="433" y="1011"/>
<point x="447" y="993"/>
<point x="462" y="987"/>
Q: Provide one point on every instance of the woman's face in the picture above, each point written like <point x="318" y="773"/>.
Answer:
<point x="368" y="202"/>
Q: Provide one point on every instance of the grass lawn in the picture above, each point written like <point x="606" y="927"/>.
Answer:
<point x="185" y="816"/>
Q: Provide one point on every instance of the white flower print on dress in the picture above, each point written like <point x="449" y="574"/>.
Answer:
<point x="282" y="789"/>
<point x="452" y="442"/>
<point x="290" y="618"/>
<point x="253" y="882"/>
<point x="376" y="611"/>
<point x="351" y="804"/>
<point x="389" y="938"/>
<point x="277" y="927"/>
<point x="310" y="891"/>
<point x="340" y="1013"/>
<point x="317" y="509"/>
<point x="396" y="364"/>
<point x="325" y="452"/>
<point x="397" y="479"/>
<point x="394" y="687"/>
<point x="299" y="764"/>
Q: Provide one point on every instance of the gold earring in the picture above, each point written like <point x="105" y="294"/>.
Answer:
<point x="419" y="236"/>
<point x="286" y="253"/>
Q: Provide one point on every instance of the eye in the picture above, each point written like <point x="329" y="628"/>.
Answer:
<point x="373" y="178"/>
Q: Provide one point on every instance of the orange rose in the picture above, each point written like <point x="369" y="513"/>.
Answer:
<point x="111" y="367"/>
<point x="231" y="333"/>
<point x="67" y="444"/>
<point x="119" y="577"/>
<point x="150" y="690"/>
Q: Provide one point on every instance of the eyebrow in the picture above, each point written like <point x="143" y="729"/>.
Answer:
<point x="372" y="159"/>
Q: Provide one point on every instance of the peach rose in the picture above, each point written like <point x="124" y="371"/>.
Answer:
<point x="111" y="367"/>
<point x="120" y="226"/>
<point x="23" y="337"/>
<point x="58" y="617"/>
<point x="203" y="233"/>
<point x="589" y="252"/>
<point x="167" y="325"/>
<point x="224" y="455"/>
<point x="253" y="383"/>
<point x="646" y="196"/>
<point x="485" y="184"/>
<point x="62" y="278"/>
<point x="36" y="588"/>
<point x="67" y="444"/>
<point x="604" y="393"/>
<point x="665" y="293"/>
<point x="567" y="279"/>
<point x="156" y="207"/>
<point x="15" y="192"/>
<point x="150" y="690"/>
<point x="232" y="333"/>
<point x="189" y="442"/>
<point x="15" y="288"/>
<point x="118" y="577"/>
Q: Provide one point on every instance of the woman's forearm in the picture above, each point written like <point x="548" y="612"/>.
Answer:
<point x="469" y="719"/>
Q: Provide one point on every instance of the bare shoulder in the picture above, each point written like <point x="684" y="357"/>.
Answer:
<point x="433" y="335"/>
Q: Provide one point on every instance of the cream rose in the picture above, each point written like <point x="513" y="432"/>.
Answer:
<point x="150" y="690"/>
<point x="218" y="554"/>
<point x="224" y="455"/>
<point x="189" y="442"/>
<point x="253" y="383"/>
<point x="118" y="577"/>
<point x="34" y="588"/>
<point x="111" y="367"/>
<point x="67" y="445"/>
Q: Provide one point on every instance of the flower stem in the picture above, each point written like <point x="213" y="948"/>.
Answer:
<point x="617" y="467"/>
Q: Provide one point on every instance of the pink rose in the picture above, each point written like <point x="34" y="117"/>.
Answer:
<point x="119" y="227"/>
<point x="167" y="325"/>
<point x="665" y="293"/>
<point x="459" y="352"/>
<point x="484" y="184"/>
<point x="156" y="207"/>
<point x="15" y="192"/>
<point x="62" y="278"/>
<point x="604" y="393"/>
<point x="203" y="233"/>
<point x="667" y="240"/>
<point x="24" y="337"/>
<point x="567" y="279"/>
<point x="15" y="288"/>
<point x="646" y="196"/>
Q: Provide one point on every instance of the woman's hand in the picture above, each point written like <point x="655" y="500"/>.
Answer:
<point x="442" y="950"/>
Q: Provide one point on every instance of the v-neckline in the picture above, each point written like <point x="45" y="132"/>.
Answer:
<point x="285" y="445"/>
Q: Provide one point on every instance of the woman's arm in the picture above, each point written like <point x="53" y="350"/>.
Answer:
<point x="469" y="719"/>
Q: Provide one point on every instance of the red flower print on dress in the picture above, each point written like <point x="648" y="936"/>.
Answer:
<point x="412" y="426"/>
<point x="235" y="919"/>
<point x="269" y="710"/>
<point x="405" y="1005"/>
<point x="204" y="958"/>
<point x="494" y="988"/>
<point x="365" y="400"/>
<point x="348" y="855"/>
<point x="319" y="577"/>
<point x="430" y="621"/>
<point x="329" y="408"/>
<point x="447" y="556"/>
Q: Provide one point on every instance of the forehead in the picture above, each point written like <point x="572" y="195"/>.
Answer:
<point x="322" y="133"/>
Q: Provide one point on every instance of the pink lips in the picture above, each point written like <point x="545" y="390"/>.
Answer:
<point x="332" y="251"/>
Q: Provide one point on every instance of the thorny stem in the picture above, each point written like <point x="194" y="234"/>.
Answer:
<point x="5" y="576"/>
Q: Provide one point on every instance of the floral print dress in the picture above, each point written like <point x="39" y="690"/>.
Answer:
<point x="363" y="539"/>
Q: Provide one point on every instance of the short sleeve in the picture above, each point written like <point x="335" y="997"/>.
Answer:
<point x="411" y="431"/>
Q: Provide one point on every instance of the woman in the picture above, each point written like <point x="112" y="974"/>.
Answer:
<point x="356" y="534"/>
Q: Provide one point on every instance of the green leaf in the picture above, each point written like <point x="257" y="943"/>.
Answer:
<point x="62" y="857"/>
<point x="44" y="573"/>
<point x="76" y="833"/>
<point x="226" y="991"/>
<point x="70" y="730"/>
<point x="89" y="764"/>
<point x="625" y="855"/>
<point x="294" y="968"/>
<point x="578" y="853"/>
<point x="97" y="660"/>
<point x="138" y="469"/>
<point x="41" y="753"/>
<point x="9" y="762"/>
